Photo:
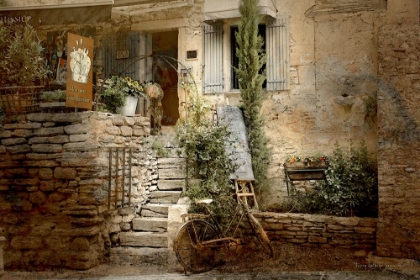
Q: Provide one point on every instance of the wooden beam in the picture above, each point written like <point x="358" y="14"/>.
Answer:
<point x="123" y="3"/>
<point x="325" y="7"/>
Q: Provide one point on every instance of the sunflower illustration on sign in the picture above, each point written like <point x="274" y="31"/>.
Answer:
<point x="80" y="63"/>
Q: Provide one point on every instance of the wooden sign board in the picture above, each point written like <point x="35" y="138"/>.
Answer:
<point x="232" y="117"/>
<point x="79" y="71"/>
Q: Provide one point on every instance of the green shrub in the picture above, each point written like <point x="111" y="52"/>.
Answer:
<point x="204" y="147"/>
<point x="21" y="55"/>
<point x="350" y="189"/>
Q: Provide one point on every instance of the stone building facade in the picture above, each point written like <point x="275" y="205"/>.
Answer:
<point x="345" y="59"/>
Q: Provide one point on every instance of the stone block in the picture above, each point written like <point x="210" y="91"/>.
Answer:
<point x="45" y="173"/>
<point x="76" y="129"/>
<point x="297" y="240"/>
<point x="136" y="256"/>
<point x="26" y="243"/>
<point x="366" y="230"/>
<point x="13" y="141"/>
<point x="80" y="244"/>
<point x="64" y="173"/>
<point x="144" y="239"/>
<point x="78" y="138"/>
<point x="49" y="131"/>
<point x="38" y="198"/>
<point x="2" y="241"/>
<point x="155" y="210"/>
<point x="150" y="224"/>
<point x="317" y="239"/>
<point x="22" y="133"/>
<point x="172" y="173"/>
<point x="272" y="226"/>
<point x="126" y="131"/>
<point x="344" y="221"/>
<point x="165" y="197"/>
<point x="125" y="226"/>
<point x="19" y="149"/>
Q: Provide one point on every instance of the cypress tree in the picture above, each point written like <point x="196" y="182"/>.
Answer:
<point x="251" y="59"/>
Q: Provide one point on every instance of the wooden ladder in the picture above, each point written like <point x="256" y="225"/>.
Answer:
<point x="245" y="189"/>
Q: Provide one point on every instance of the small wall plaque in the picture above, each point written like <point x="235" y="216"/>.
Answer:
<point x="192" y="54"/>
<point x="123" y="54"/>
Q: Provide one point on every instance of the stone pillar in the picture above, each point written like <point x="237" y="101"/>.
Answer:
<point x="2" y="241"/>
<point x="397" y="246"/>
<point x="174" y="223"/>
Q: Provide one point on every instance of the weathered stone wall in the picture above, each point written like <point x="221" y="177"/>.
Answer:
<point x="319" y="230"/>
<point x="354" y="235"/>
<point x="399" y="142"/>
<point x="54" y="185"/>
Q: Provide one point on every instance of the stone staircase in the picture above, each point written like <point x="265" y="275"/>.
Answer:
<point x="147" y="241"/>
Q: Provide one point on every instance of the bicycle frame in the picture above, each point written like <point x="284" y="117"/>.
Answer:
<point x="201" y="244"/>
<point x="241" y="212"/>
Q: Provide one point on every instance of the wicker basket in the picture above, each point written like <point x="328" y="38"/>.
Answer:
<point x="20" y="99"/>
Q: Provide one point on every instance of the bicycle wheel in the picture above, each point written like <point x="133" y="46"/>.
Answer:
<point x="261" y="235"/>
<point x="189" y="248"/>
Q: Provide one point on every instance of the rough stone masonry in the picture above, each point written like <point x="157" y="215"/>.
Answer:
<point x="54" y="187"/>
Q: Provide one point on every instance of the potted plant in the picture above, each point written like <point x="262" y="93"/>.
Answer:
<point x="53" y="98"/>
<point x="120" y="95"/>
<point x="311" y="167"/>
<point x="23" y="67"/>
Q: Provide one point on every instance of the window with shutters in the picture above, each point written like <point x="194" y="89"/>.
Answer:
<point x="276" y="45"/>
<point x="235" y="60"/>
<point x="213" y="58"/>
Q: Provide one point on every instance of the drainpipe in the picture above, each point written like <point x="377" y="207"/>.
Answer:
<point x="2" y="241"/>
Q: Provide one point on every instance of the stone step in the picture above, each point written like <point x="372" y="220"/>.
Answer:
<point x="155" y="210"/>
<point x="144" y="239"/>
<point x="165" y="197"/>
<point x="137" y="256"/>
<point x="169" y="162"/>
<point x="170" y="185"/>
<point x="173" y="173"/>
<point x="150" y="224"/>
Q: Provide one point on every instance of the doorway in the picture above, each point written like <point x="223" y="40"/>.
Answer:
<point x="165" y="44"/>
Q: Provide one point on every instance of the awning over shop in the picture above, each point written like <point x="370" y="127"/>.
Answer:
<point x="225" y="9"/>
<point x="14" y="5"/>
<point x="50" y="13"/>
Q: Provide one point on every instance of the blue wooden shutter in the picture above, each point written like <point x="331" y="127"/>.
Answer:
<point x="213" y="58"/>
<point x="278" y="54"/>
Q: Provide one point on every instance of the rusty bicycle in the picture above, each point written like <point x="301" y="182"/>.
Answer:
<point x="200" y="244"/>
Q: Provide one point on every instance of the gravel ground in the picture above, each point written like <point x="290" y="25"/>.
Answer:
<point x="151" y="272"/>
<point x="292" y="262"/>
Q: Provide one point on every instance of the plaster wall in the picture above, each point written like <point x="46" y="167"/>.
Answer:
<point x="333" y="68"/>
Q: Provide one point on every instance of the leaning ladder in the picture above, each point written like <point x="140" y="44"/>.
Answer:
<point x="244" y="190"/>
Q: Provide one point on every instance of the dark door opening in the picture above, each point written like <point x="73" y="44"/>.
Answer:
<point x="166" y="45"/>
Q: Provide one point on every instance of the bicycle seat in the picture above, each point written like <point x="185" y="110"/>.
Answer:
<point x="204" y="201"/>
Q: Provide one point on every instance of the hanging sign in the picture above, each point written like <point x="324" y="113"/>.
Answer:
<point x="79" y="71"/>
